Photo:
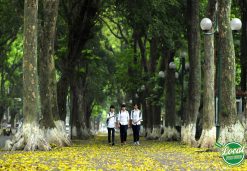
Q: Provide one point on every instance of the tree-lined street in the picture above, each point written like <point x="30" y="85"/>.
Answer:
<point x="63" y="63"/>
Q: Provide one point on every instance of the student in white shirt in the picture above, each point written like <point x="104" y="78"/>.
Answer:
<point x="111" y="121"/>
<point x="136" y="118"/>
<point x="123" y="123"/>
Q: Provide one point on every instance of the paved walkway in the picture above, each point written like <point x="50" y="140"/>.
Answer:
<point x="97" y="154"/>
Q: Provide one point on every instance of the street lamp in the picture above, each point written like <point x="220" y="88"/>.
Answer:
<point x="172" y="65"/>
<point x="161" y="74"/>
<point x="236" y="24"/>
<point x="206" y="25"/>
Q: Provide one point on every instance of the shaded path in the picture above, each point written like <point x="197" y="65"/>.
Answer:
<point x="97" y="154"/>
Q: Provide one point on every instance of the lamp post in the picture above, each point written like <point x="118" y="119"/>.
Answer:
<point x="206" y="25"/>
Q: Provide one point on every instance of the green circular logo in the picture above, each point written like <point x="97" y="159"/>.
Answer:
<point x="233" y="153"/>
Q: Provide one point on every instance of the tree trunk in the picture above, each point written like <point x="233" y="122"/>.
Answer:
<point x="189" y="127"/>
<point x="154" y="53"/>
<point x="230" y="127"/>
<point x="144" y="114"/>
<point x="48" y="89"/>
<point x="2" y="110"/>
<point x="243" y="58"/>
<point x="62" y="92"/>
<point x="87" y="115"/>
<point x="208" y="136"/>
<point x="155" y="106"/>
<point x="149" y="117"/>
<point x="13" y="114"/>
<point x="78" y="114"/>
<point x="2" y="80"/>
<point x="142" y="47"/>
<point x="132" y="69"/>
<point x="2" y="93"/>
<point x="80" y="18"/>
<point x="170" y="132"/>
<point x="89" y="109"/>
<point x="147" y="111"/>
<point x="75" y="121"/>
<point x="25" y="138"/>
<point x="55" y="128"/>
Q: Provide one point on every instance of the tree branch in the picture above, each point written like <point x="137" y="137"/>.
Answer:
<point x="107" y="25"/>
<point x="119" y="28"/>
<point x="143" y="54"/>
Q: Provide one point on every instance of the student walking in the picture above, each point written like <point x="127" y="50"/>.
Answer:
<point x="136" y="118"/>
<point x="123" y="123"/>
<point x="111" y="121"/>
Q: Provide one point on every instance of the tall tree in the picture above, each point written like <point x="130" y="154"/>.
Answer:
<point x="78" y="117"/>
<point x="156" y="106"/>
<point x="208" y="135"/>
<point x="47" y="74"/>
<point x="30" y="137"/>
<point x="243" y="51"/>
<point x="170" y="132"/>
<point x="80" y="17"/>
<point x="189" y="126"/>
<point x="243" y="59"/>
<point x="230" y="127"/>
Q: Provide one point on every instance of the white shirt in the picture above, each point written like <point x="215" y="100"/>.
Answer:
<point x="136" y="116"/>
<point x="112" y="120"/>
<point x="123" y="117"/>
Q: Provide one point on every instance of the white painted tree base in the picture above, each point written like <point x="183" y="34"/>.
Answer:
<point x="155" y="134"/>
<point x="188" y="134"/>
<point x="29" y="138"/>
<point x="58" y="135"/>
<point x="234" y="132"/>
<point x="82" y="133"/>
<point x="143" y="132"/>
<point x="170" y="134"/>
<point x="148" y="132"/>
<point x="208" y="138"/>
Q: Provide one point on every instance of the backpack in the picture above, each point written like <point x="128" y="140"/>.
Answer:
<point x="107" y="120"/>
<point x="132" y="112"/>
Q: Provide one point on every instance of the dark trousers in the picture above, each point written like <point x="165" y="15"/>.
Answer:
<point x="136" y="132"/>
<point x="111" y="133"/>
<point x="123" y="133"/>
